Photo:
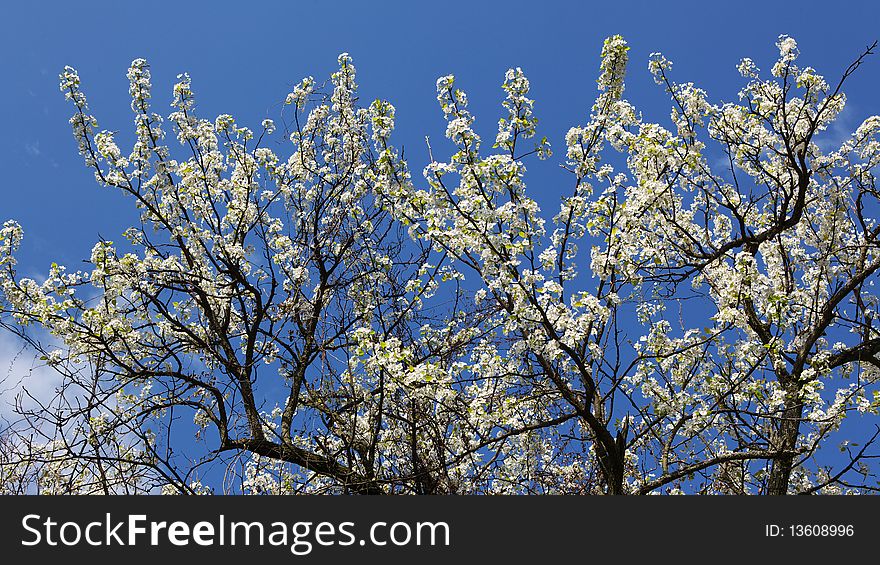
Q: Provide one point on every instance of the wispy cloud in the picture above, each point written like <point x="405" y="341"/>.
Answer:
<point x="33" y="149"/>
<point x="21" y="369"/>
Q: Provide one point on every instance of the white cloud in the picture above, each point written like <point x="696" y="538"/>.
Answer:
<point x="20" y="369"/>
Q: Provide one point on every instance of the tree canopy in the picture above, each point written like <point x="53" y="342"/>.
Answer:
<point x="308" y="316"/>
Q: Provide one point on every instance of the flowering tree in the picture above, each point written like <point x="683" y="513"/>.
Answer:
<point x="321" y="323"/>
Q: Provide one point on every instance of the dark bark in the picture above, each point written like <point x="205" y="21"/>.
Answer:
<point x="786" y="440"/>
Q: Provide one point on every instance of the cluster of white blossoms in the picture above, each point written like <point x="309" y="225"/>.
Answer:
<point x="438" y="335"/>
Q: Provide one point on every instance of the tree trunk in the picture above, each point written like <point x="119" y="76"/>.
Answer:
<point x="786" y="439"/>
<point x="612" y="467"/>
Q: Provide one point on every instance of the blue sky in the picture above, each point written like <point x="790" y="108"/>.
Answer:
<point x="245" y="57"/>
